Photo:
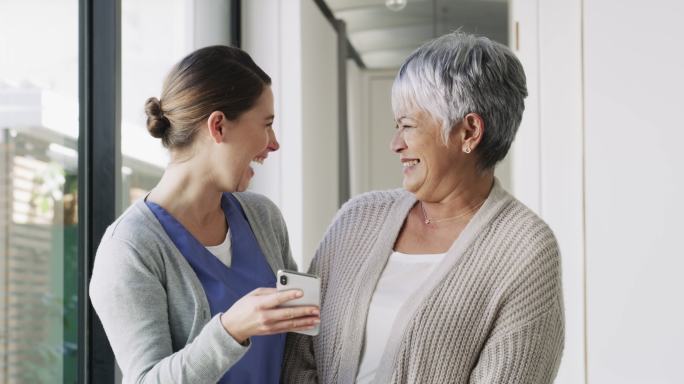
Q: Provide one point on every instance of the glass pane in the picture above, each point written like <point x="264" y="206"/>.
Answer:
<point x="38" y="191"/>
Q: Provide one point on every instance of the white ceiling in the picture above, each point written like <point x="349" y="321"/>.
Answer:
<point x="384" y="38"/>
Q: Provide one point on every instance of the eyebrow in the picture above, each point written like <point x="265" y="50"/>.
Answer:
<point x="270" y="117"/>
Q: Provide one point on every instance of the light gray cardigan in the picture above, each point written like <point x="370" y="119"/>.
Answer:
<point x="491" y="312"/>
<point x="152" y="305"/>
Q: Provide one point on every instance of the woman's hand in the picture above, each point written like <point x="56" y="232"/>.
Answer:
<point x="257" y="314"/>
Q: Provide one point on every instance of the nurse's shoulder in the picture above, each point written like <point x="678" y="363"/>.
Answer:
<point x="135" y="240"/>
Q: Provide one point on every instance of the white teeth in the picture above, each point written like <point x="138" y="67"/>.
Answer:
<point x="409" y="163"/>
<point x="258" y="160"/>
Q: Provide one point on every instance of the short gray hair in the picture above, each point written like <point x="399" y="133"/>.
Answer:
<point x="457" y="74"/>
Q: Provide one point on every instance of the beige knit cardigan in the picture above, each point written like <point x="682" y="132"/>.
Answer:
<point x="491" y="312"/>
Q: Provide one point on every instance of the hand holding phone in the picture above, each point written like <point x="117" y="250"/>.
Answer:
<point x="261" y="312"/>
<point x="310" y="285"/>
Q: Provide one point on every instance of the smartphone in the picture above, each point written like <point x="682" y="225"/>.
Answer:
<point x="310" y="285"/>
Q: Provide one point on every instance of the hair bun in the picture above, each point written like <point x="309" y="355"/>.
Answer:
<point x="157" y="124"/>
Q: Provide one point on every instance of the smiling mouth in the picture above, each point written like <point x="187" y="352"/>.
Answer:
<point x="258" y="160"/>
<point x="409" y="163"/>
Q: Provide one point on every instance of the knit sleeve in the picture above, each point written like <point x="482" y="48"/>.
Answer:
<point x="526" y="343"/>
<point x="129" y="296"/>
<point x="527" y="354"/>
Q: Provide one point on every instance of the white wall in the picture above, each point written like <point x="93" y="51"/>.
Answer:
<point x="634" y="183"/>
<point x="320" y="125"/>
<point x="560" y="166"/>
<point x="297" y="46"/>
<point x="608" y="185"/>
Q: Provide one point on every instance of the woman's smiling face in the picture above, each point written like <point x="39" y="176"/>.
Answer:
<point x="429" y="165"/>
<point x="248" y="139"/>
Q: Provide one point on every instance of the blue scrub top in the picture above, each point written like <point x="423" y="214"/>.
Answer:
<point x="225" y="285"/>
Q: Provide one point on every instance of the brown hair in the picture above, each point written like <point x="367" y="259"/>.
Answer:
<point x="216" y="78"/>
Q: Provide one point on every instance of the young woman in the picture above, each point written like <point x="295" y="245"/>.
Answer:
<point x="183" y="280"/>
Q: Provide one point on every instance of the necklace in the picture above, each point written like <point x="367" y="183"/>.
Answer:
<point x="468" y="211"/>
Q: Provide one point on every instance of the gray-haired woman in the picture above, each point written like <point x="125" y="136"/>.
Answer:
<point x="450" y="279"/>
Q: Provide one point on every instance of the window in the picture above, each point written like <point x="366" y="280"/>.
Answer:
<point x="38" y="191"/>
<point x="58" y="140"/>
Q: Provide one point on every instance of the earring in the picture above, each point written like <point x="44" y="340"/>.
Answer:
<point x="466" y="149"/>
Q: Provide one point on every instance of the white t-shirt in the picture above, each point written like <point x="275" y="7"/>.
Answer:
<point x="402" y="275"/>
<point x="222" y="251"/>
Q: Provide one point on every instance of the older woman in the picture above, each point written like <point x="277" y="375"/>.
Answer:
<point x="450" y="279"/>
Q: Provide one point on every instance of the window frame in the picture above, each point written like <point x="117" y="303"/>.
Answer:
<point x="99" y="167"/>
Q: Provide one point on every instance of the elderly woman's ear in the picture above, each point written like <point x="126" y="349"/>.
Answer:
<point x="471" y="129"/>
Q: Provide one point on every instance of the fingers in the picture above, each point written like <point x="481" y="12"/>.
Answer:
<point x="275" y="299"/>
<point x="280" y="314"/>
